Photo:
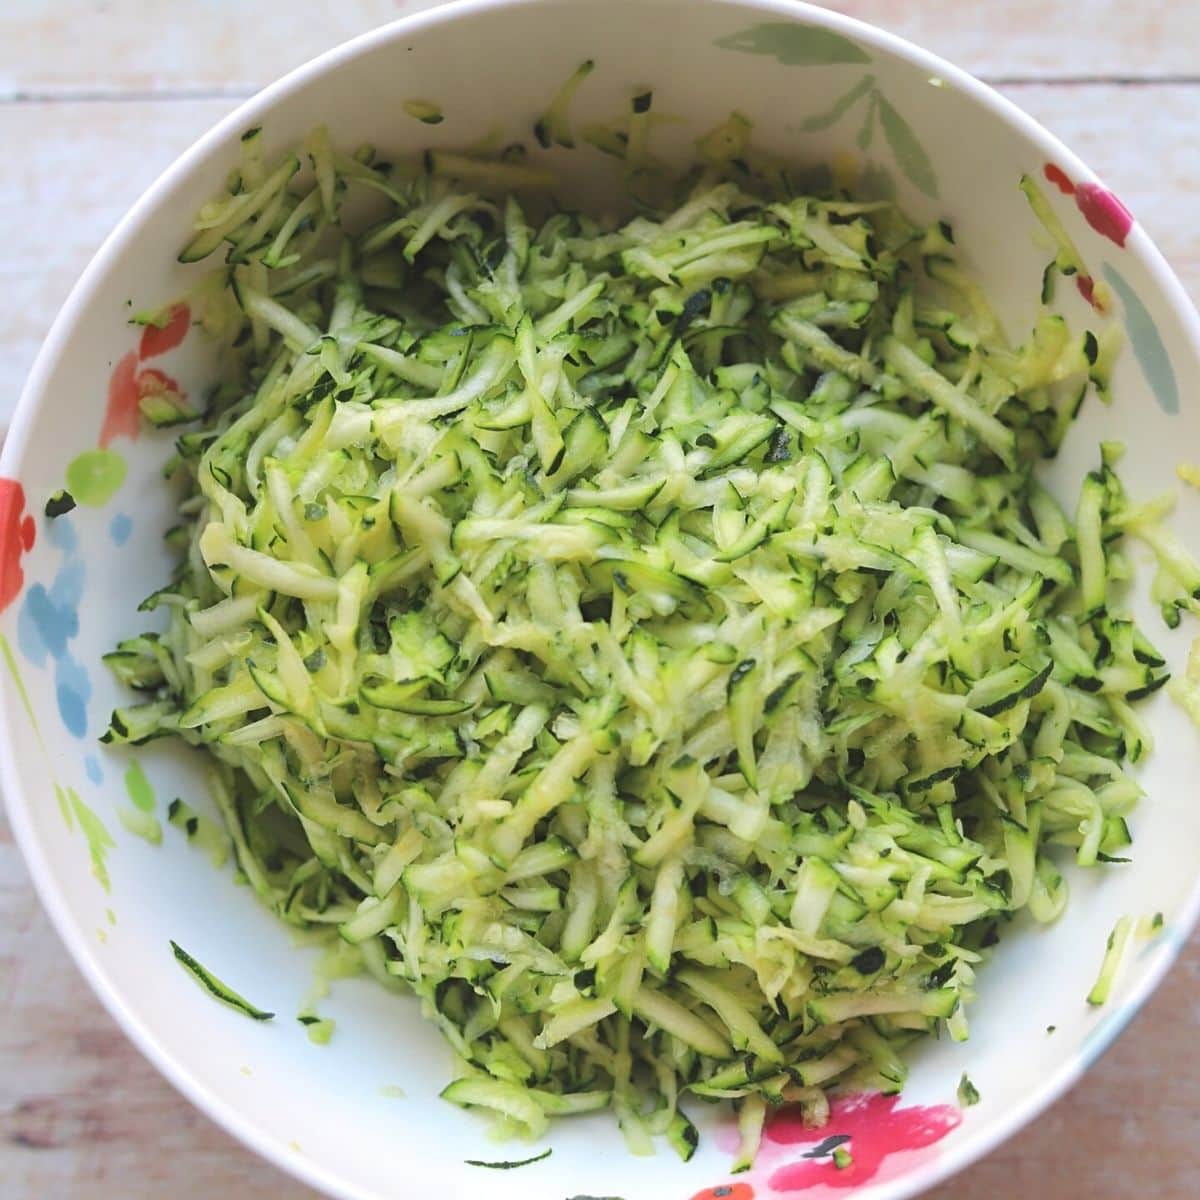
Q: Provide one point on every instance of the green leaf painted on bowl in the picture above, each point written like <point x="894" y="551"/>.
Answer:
<point x="843" y="105"/>
<point x="138" y="787"/>
<point x="867" y="131"/>
<point x="10" y="661"/>
<point x="795" y="45"/>
<point x="64" y="806"/>
<point x="1148" y="347"/>
<point x="910" y="154"/>
<point x="99" y="840"/>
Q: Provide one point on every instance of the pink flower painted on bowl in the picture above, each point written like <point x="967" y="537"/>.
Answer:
<point x="875" y="1139"/>
<point x="1103" y="212"/>
<point x="875" y="1131"/>
<point x="1101" y="209"/>
<point x="1110" y="218"/>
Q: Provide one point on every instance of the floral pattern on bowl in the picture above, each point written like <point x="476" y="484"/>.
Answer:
<point x="870" y="1137"/>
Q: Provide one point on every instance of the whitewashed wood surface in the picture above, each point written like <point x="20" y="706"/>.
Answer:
<point x="97" y="97"/>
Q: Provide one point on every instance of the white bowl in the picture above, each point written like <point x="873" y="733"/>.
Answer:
<point x="69" y="587"/>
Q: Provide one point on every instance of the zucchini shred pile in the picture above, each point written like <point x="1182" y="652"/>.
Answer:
<point x="647" y="643"/>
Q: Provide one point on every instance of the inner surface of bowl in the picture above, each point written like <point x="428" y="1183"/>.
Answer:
<point x="360" y="1116"/>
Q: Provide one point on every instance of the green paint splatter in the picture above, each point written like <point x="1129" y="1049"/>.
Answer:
<point x="795" y="45"/>
<point x="392" y="1091"/>
<point x="64" y="806"/>
<point x="15" y="672"/>
<point x="138" y="787"/>
<point x="425" y="111"/>
<point x="99" y="840"/>
<point x="112" y="916"/>
<point x="140" y="824"/>
<point x="95" y="476"/>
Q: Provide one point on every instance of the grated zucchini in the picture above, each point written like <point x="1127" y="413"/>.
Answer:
<point x="648" y="644"/>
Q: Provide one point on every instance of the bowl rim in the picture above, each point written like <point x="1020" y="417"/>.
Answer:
<point x="962" y="1152"/>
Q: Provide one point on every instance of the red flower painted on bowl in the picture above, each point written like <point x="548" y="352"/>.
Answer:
<point x="127" y="385"/>
<point x="17" y="535"/>
<point x="121" y="412"/>
<point x="869" y="1137"/>
<point x="726" y="1191"/>
<point x="158" y="339"/>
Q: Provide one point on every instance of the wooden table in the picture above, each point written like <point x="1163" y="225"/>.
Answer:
<point x="96" y="97"/>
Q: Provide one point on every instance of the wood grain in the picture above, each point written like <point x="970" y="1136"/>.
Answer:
<point x="82" y="1115"/>
<point x="91" y="162"/>
<point x="226" y="45"/>
<point x="96" y="97"/>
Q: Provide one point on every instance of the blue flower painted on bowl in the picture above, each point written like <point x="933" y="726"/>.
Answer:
<point x="120" y="527"/>
<point x="48" y="622"/>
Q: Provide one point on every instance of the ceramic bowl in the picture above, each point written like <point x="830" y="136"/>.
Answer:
<point x="360" y="1117"/>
